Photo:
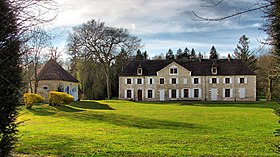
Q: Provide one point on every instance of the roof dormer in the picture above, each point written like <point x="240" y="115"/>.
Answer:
<point x="214" y="69"/>
<point x="139" y="70"/>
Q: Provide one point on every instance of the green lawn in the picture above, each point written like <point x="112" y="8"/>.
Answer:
<point x="123" y="128"/>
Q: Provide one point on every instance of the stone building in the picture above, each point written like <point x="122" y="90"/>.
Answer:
<point x="52" y="77"/>
<point x="204" y="80"/>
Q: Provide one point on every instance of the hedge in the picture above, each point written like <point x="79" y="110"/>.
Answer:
<point x="31" y="99"/>
<point x="60" y="98"/>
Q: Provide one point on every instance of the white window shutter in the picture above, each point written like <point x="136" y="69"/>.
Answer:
<point x="224" y="80"/>
<point x="132" y="81"/>
<point x="132" y="94"/>
<point x="177" y="93"/>
<point x="125" y="94"/>
<point x="191" y="93"/>
<point x="185" y="81"/>
<point x="230" y="80"/>
<point x="142" y="81"/>
<point x="217" y="80"/>
<point x="177" y="81"/>
<point x="153" y="81"/>
<point x="154" y="93"/>
<point x="169" y="93"/>
<point x="182" y="93"/>
<point x="199" y="93"/>
<point x="125" y="81"/>
<point x="224" y="94"/>
<point x="135" y="80"/>
<point x="231" y="93"/>
<point x="146" y="93"/>
<point x="192" y="80"/>
<point x="210" y="80"/>
<point x="199" y="80"/>
<point x="245" y="80"/>
<point x="170" y="81"/>
<point x="238" y="80"/>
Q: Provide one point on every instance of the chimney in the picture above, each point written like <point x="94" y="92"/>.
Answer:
<point x="228" y="57"/>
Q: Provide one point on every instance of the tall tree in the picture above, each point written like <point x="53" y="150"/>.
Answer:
<point x="179" y="54"/>
<point x="96" y="40"/>
<point x="186" y="53"/>
<point x="242" y="52"/>
<point x="169" y="55"/>
<point x="10" y="77"/>
<point x="213" y="53"/>
<point x="139" y="55"/>
<point x="193" y="54"/>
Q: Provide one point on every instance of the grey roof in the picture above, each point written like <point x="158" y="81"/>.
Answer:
<point x="53" y="71"/>
<point x="197" y="67"/>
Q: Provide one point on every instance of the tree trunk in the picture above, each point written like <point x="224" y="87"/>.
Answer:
<point x="108" y="85"/>
<point x="269" y="85"/>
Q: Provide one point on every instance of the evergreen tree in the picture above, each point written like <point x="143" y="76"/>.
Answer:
<point x="179" y="54"/>
<point x="169" y="55"/>
<point x="145" y="55"/>
<point x="186" y="53"/>
<point x="242" y="52"/>
<point x="139" y="55"/>
<point x="200" y="56"/>
<point x="10" y="77"/>
<point x="213" y="53"/>
<point x="193" y="54"/>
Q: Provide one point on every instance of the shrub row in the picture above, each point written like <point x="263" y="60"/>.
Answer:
<point x="60" y="98"/>
<point x="30" y="99"/>
<point x="55" y="98"/>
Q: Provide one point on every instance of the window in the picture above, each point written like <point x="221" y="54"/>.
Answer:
<point x="227" y="93"/>
<point x="195" y="80"/>
<point x="161" y="81"/>
<point x="128" y="93"/>
<point x="242" y="80"/>
<point x="139" y="81"/>
<point x="150" y="94"/>
<point x="173" y="81"/>
<point x="214" y="70"/>
<point x="45" y="87"/>
<point x="151" y="81"/>
<point x="196" y="93"/>
<point x="139" y="71"/>
<point x="227" y="80"/>
<point x="214" y="80"/>
<point x="173" y="93"/>
<point x="173" y="71"/>
<point x="67" y="90"/>
<point x="186" y="93"/>
<point x="128" y="81"/>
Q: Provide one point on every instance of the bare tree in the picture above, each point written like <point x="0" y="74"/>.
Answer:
<point x="95" y="40"/>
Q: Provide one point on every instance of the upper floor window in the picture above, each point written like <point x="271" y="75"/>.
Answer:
<point x="227" y="80"/>
<point x="151" y="81"/>
<point x="242" y="80"/>
<point x="174" y="81"/>
<point x="214" y="80"/>
<point x="139" y="71"/>
<point x="161" y="81"/>
<point x="128" y="81"/>
<point x="139" y="81"/>
<point x="195" y="81"/>
<point x="214" y="70"/>
<point x="173" y="71"/>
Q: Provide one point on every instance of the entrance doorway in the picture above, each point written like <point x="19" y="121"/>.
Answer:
<point x="161" y="95"/>
<point x="139" y="94"/>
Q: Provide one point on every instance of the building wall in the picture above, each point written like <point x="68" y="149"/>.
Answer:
<point x="208" y="91"/>
<point x="45" y="86"/>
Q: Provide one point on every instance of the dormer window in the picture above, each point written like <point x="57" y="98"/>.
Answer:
<point x="214" y="70"/>
<point x="139" y="71"/>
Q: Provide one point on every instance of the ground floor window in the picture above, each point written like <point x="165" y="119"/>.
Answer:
<point x="150" y="93"/>
<point x="227" y="92"/>
<point x="128" y="94"/>
<point x="173" y="93"/>
<point x="186" y="93"/>
<point x="196" y="93"/>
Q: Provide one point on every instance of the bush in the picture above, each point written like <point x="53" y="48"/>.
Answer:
<point x="60" y="98"/>
<point x="31" y="99"/>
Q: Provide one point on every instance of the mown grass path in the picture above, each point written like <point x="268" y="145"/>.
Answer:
<point x="123" y="128"/>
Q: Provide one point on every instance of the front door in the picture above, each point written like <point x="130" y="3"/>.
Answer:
<point x="161" y="95"/>
<point x="214" y="94"/>
<point x="139" y="93"/>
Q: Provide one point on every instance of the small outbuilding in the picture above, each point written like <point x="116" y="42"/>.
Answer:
<point x="52" y="77"/>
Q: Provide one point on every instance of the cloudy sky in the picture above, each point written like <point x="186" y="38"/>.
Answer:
<point x="165" y="24"/>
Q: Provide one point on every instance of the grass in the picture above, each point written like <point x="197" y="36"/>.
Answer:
<point x="123" y="128"/>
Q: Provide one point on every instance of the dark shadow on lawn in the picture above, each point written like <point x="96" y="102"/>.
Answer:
<point x="257" y="104"/>
<point x="42" y="111"/>
<point x="65" y="108"/>
<point x="132" y="121"/>
<point x="91" y="105"/>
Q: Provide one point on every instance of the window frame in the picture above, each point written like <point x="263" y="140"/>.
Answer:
<point x="214" y="82"/>
<point x="195" y="80"/>
<point x="173" y="93"/>
<point x="150" y="94"/>
<point x="242" y="80"/>
<point x="161" y="79"/>
<point x="172" y="81"/>
<point x="128" y="93"/>
<point x="128" y="81"/>
<point x="196" y="93"/>
<point x="186" y="93"/>
<point x="227" y="93"/>
<point x="139" y="80"/>
<point x="227" y="80"/>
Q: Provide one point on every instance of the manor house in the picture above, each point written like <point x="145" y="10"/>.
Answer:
<point x="203" y="80"/>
